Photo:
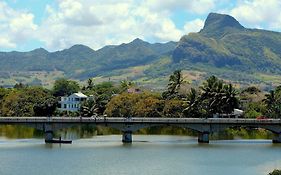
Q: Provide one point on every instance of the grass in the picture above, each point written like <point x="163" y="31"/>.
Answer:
<point x="45" y="78"/>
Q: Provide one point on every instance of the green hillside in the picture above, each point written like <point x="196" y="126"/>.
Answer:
<point x="223" y="48"/>
<point x="80" y="62"/>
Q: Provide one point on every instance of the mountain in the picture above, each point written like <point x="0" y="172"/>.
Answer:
<point x="81" y="62"/>
<point x="223" y="47"/>
<point x="218" y="25"/>
<point x="224" y="43"/>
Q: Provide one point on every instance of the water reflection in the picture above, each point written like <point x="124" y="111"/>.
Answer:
<point x="148" y="154"/>
<point x="87" y="131"/>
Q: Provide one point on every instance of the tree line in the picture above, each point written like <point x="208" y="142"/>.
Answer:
<point x="180" y="99"/>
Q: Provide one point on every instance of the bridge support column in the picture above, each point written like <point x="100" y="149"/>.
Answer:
<point x="49" y="135"/>
<point x="203" y="137"/>
<point x="277" y="138"/>
<point x="127" y="137"/>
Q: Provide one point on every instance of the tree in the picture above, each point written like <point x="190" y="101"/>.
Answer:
<point x="90" y="83"/>
<point x="254" y="109"/>
<point x="102" y="93"/>
<point x="211" y="95"/>
<point x="273" y="103"/>
<point x="193" y="103"/>
<point x="29" y="101"/>
<point x="20" y="86"/>
<point x="173" y="108"/>
<point x="174" y="85"/>
<point x="125" y="84"/>
<point x="3" y="92"/>
<point x="126" y="105"/>
<point x="251" y="90"/>
<point x="217" y="97"/>
<point x="63" y="87"/>
<point x="46" y="107"/>
<point x="89" y="108"/>
<point x="275" y="172"/>
<point x="229" y="99"/>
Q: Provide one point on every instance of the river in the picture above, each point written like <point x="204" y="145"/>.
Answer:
<point x="147" y="155"/>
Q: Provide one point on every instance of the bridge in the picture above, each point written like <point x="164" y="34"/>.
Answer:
<point x="204" y="126"/>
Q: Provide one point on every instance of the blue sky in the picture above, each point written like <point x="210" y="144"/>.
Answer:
<point x="59" y="24"/>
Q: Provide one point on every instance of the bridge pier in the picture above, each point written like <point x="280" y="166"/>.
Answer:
<point x="127" y="137"/>
<point x="203" y="137"/>
<point x="277" y="138"/>
<point x="49" y="136"/>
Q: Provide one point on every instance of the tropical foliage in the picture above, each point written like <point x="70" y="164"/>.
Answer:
<point x="275" y="172"/>
<point x="273" y="103"/>
<point x="28" y="101"/>
<point x="213" y="97"/>
<point x="175" y="83"/>
<point x="63" y="87"/>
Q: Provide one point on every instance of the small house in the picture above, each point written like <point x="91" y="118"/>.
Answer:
<point x="72" y="102"/>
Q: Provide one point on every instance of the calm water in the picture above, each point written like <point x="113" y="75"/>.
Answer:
<point x="148" y="155"/>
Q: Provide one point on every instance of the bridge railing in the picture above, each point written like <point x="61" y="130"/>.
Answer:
<point x="137" y="120"/>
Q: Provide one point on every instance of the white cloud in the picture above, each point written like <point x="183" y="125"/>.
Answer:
<point x="96" y="23"/>
<point x="193" y="26"/>
<point x="195" y="6"/>
<point x="16" y="26"/>
<point x="256" y="13"/>
<point x="6" y="43"/>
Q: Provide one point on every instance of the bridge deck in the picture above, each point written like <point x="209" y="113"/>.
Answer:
<point x="127" y="126"/>
<point x="14" y="120"/>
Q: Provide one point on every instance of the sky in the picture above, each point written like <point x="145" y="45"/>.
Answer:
<point x="58" y="24"/>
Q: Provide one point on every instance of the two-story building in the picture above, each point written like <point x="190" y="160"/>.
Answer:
<point x="72" y="102"/>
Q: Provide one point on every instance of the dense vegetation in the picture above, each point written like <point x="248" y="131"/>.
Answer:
<point x="180" y="99"/>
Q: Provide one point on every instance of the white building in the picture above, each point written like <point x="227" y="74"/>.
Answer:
<point x="72" y="102"/>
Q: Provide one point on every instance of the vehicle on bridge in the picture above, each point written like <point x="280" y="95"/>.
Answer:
<point x="262" y="118"/>
<point x="237" y="113"/>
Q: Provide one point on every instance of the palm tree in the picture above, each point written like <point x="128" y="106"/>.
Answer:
<point x="89" y="108"/>
<point x="270" y="98"/>
<point x="273" y="104"/>
<point x="90" y="83"/>
<point x="229" y="99"/>
<point x="193" y="108"/>
<point x="209" y="86"/>
<point x="218" y="98"/>
<point x="211" y="95"/>
<point x="175" y="82"/>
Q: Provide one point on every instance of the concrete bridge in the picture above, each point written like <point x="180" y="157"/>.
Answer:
<point x="203" y="126"/>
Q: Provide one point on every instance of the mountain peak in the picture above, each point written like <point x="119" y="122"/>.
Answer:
<point x="39" y="51"/>
<point x="138" y="41"/>
<point x="221" y="20"/>
<point x="216" y="24"/>
<point x="80" y="47"/>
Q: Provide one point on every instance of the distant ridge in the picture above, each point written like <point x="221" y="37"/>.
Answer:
<point x="223" y="47"/>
